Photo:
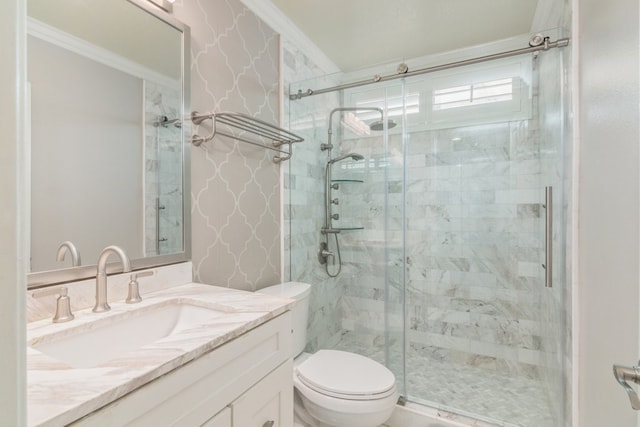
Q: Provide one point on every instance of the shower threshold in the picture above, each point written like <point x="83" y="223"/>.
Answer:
<point x="415" y="414"/>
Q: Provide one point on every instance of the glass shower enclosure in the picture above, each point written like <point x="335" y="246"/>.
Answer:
<point x="449" y="234"/>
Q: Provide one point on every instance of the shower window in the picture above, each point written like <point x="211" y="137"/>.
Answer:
<point x="473" y="94"/>
<point x="395" y="107"/>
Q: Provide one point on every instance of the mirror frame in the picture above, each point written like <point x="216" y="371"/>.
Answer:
<point x="72" y="274"/>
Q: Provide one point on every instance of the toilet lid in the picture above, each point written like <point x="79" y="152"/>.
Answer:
<point x="342" y="374"/>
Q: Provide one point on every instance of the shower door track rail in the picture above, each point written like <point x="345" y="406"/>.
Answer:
<point x="537" y="43"/>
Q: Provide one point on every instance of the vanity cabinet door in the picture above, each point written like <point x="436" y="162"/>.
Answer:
<point x="222" y="419"/>
<point x="269" y="403"/>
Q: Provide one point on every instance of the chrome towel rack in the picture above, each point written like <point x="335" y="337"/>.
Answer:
<point x="236" y="125"/>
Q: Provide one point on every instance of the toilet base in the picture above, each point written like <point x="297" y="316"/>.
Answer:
<point x="323" y="418"/>
<point x="301" y="417"/>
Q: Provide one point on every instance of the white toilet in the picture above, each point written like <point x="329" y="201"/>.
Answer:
<point x="334" y="388"/>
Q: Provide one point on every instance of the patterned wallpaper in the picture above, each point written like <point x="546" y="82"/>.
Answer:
<point x="235" y="190"/>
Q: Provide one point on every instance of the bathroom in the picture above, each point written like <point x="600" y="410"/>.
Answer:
<point x="602" y="227"/>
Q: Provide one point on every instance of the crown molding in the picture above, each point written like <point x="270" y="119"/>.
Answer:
<point x="280" y="23"/>
<point x="81" y="47"/>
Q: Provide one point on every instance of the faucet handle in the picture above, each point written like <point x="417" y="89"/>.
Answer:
<point x="134" y="288"/>
<point x="63" y="303"/>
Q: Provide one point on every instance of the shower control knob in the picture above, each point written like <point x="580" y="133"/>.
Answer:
<point x="335" y="201"/>
<point x="335" y="216"/>
<point x="324" y="253"/>
<point x="335" y="186"/>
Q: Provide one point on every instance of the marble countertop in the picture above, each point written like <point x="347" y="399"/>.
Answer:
<point x="58" y="394"/>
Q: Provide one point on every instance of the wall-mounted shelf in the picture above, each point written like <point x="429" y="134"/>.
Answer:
<point x="244" y="128"/>
<point x="336" y="230"/>
<point x="348" y="180"/>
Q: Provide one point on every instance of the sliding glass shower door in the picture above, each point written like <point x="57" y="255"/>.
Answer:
<point x="470" y="325"/>
<point x="483" y="336"/>
<point x="444" y="278"/>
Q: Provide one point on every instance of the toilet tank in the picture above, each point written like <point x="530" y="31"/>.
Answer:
<point x="299" y="292"/>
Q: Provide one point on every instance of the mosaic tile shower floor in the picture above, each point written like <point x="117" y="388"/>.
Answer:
<point x="509" y="401"/>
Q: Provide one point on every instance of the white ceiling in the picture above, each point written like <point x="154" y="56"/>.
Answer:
<point x="357" y="34"/>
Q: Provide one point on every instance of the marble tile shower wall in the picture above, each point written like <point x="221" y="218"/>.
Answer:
<point x="304" y="201"/>
<point x="235" y="188"/>
<point x="370" y="308"/>
<point x="473" y="245"/>
<point x="295" y="66"/>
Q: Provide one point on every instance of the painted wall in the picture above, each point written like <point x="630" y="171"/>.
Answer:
<point x="12" y="249"/>
<point x="235" y="187"/>
<point x="608" y="208"/>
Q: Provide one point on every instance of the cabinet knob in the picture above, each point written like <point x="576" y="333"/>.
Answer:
<point x="270" y="423"/>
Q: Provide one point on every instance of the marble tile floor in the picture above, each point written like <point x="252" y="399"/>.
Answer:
<point x="497" y="399"/>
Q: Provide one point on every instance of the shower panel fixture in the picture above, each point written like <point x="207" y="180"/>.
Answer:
<point x="328" y="229"/>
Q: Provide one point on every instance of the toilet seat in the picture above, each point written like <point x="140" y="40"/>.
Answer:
<point x="346" y="375"/>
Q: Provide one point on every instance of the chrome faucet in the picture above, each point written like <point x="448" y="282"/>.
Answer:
<point x="101" y="277"/>
<point x="68" y="246"/>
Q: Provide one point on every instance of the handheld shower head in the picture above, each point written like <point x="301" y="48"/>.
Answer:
<point x="354" y="156"/>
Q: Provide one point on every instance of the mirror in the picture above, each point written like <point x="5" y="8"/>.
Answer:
<point x="108" y="83"/>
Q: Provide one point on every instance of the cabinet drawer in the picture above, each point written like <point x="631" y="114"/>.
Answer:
<point x="191" y="394"/>
<point x="223" y="419"/>
<point x="268" y="403"/>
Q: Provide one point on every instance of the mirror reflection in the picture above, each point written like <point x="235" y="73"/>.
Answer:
<point x="107" y="158"/>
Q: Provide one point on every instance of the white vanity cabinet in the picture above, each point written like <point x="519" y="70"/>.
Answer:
<point x="269" y="403"/>
<point x="223" y="419"/>
<point x="247" y="382"/>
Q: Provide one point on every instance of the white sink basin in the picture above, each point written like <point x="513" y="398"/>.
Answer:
<point x="113" y="338"/>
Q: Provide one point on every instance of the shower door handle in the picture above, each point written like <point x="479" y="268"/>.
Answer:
<point x="628" y="373"/>
<point x="548" y="237"/>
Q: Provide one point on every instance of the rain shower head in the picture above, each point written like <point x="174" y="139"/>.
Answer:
<point x="354" y="156"/>
<point x="378" y="125"/>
